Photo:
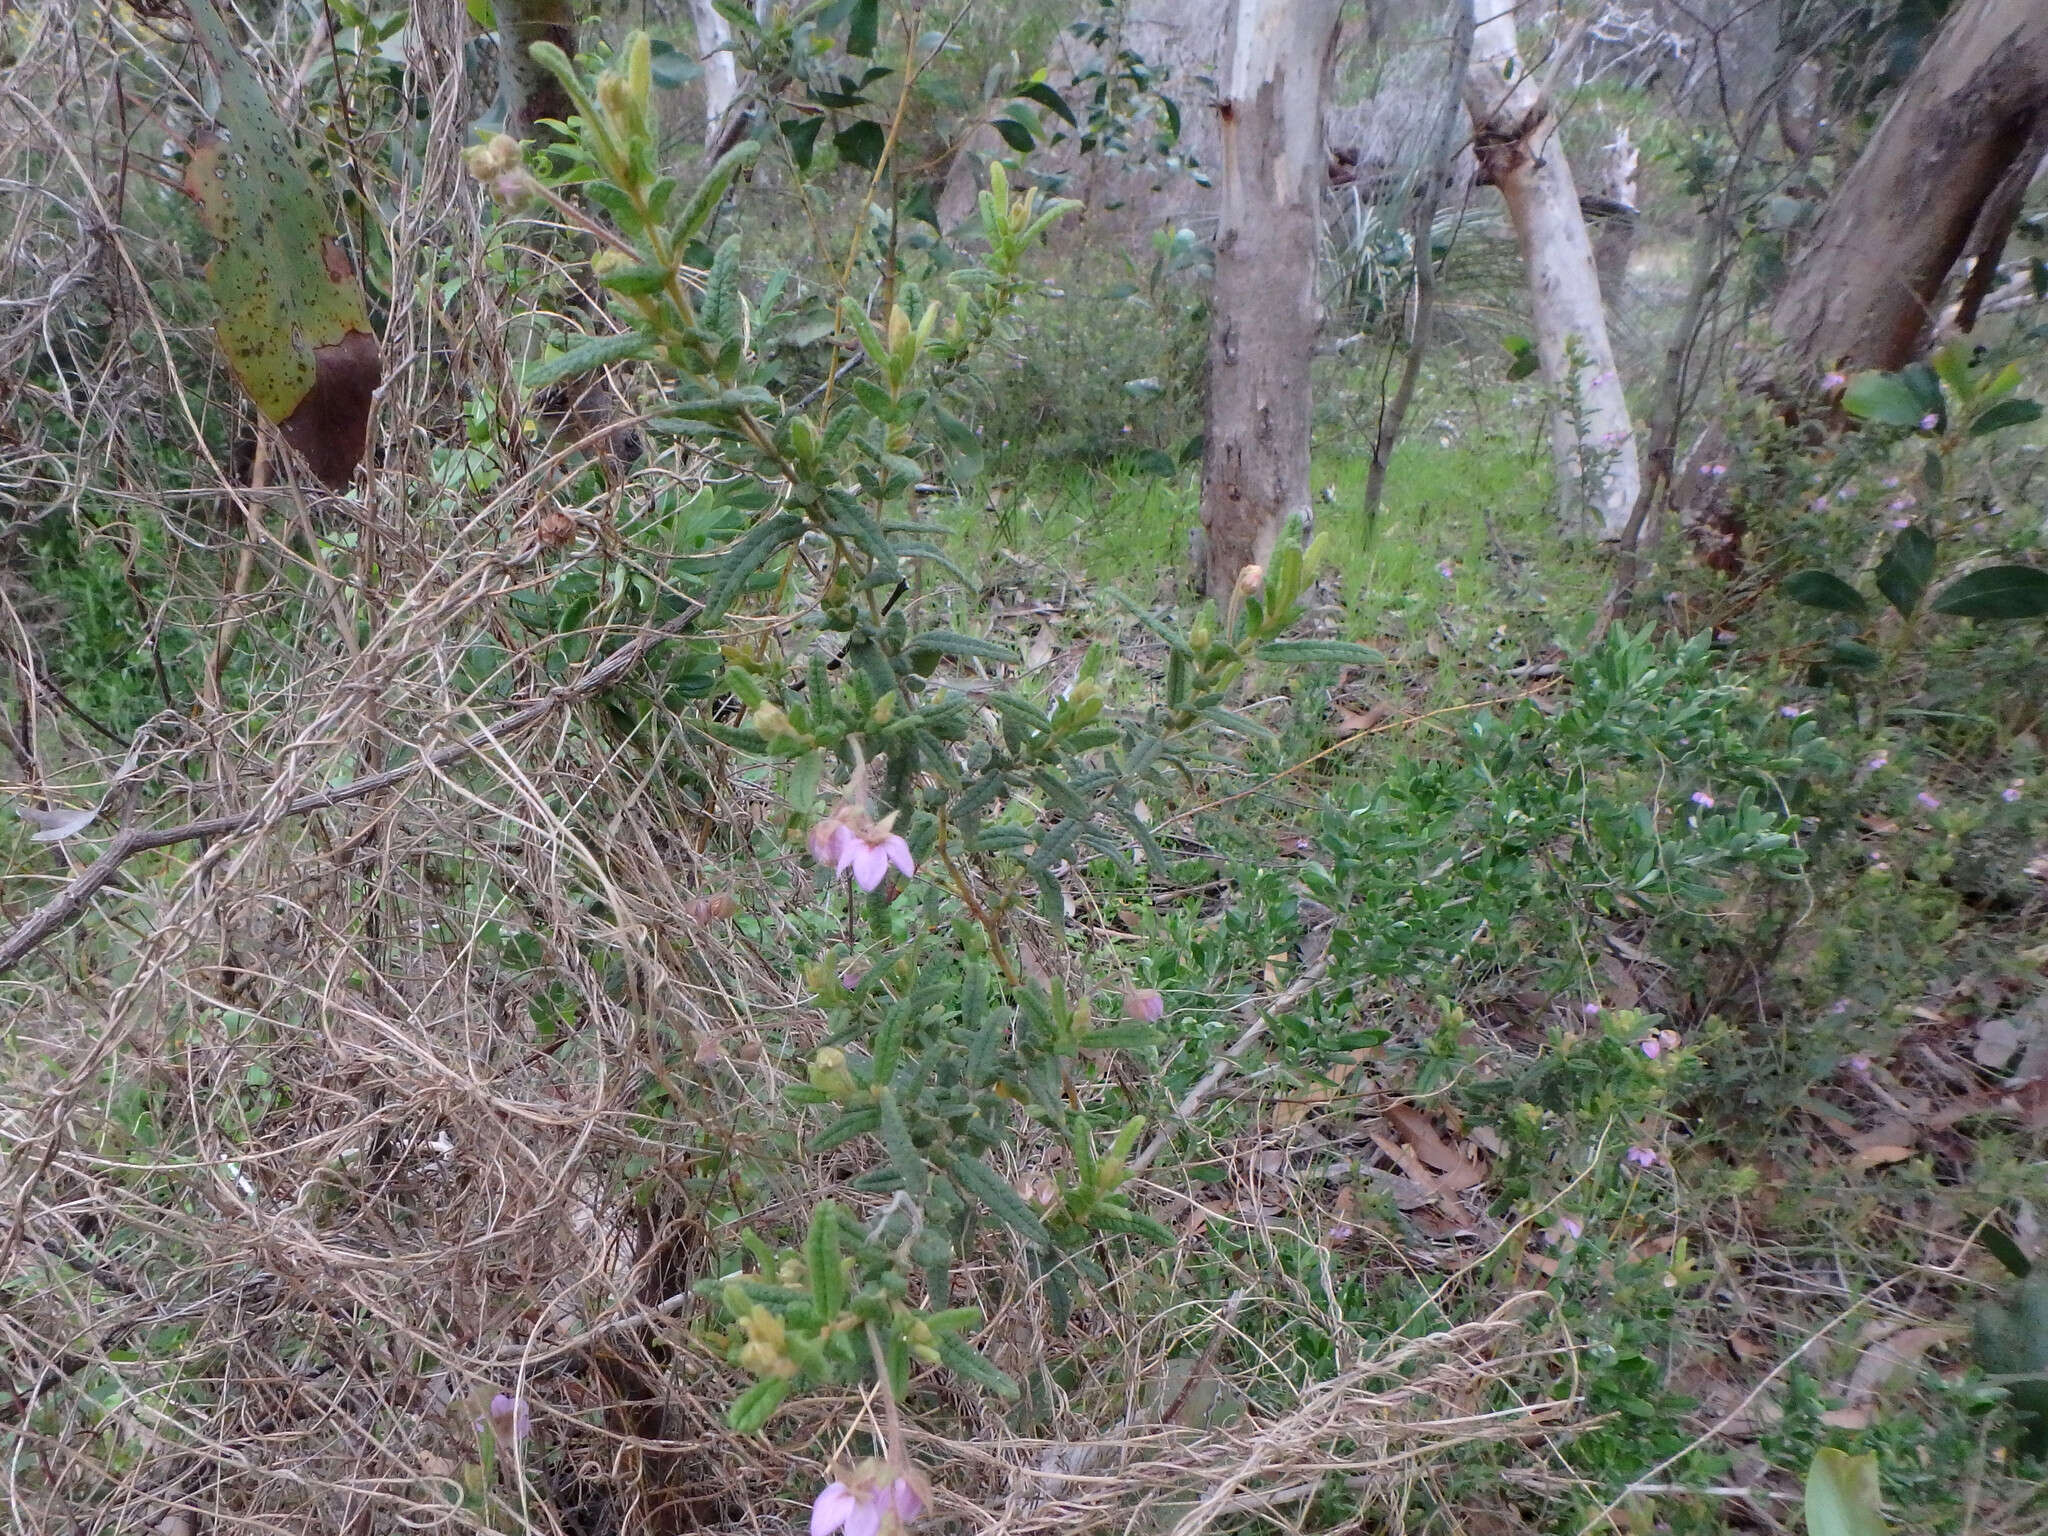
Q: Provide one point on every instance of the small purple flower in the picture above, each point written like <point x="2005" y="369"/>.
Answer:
<point x="1890" y="482"/>
<point x="1903" y="503"/>
<point x="1927" y="802"/>
<point x="1652" y="1047"/>
<point x="1793" y="711"/>
<point x="1832" y="381"/>
<point x="1820" y="503"/>
<point x="1144" y="1004"/>
<point x="1929" y="422"/>
<point x="1568" y="1229"/>
<point x="510" y="1419"/>
<point x="1642" y="1157"/>
<point x="1446" y="570"/>
<point x="1860" y="1065"/>
<point x="1702" y="799"/>
<point x="1876" y="761"/>
<point x="1591" y="1010"/>
<point x="2011" y="793"/>
<point x="1714" y="471"/>
<point x="1839" y="1006"/>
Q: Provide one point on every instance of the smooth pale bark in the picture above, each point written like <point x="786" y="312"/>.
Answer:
<point x="1277" y="60"/>
<point x="1514" y="133"/>
<point x="530" y="93"/>
<point x="1611" y="201"/>
<point x="1863" y="291"/>
<point x="721" y="69"/>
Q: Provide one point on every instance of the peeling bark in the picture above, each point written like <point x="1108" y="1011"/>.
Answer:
<point x="1514" y="135"/>
<point x="1255" y="461"/>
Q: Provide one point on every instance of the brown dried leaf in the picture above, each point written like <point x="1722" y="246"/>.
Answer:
<point x="1455" y="1170"/>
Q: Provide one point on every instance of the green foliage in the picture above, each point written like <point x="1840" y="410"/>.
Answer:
<point x="932" y="1055"/>
<point x="1841" y="1495"/>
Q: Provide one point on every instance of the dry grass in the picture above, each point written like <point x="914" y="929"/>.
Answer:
<point x="293" y="1180"/>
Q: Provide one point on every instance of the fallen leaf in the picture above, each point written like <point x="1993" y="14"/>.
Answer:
<point x="1879" y="1155"/>
<point x="1886" y="1357"/>
<point x="56" y="825"/>
<point x="1457" y="1171"/>
<point x="1997" y="1043"/>
<point x="1846" y="1418"/>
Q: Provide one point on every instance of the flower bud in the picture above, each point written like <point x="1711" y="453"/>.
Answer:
<point x="771" y="722"/>
<point x="493" y="158"/>
<point x="1251" y="579"/>
<point x="1144" y="1004"/>
<point x="829" y="1075"/>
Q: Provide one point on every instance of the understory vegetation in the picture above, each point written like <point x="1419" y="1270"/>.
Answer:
<point x="724" y="924"/>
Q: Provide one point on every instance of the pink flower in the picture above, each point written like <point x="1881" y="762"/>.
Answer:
<point x="1877" y="761"/>
<point x="1927" y="802"/>
<point x="510" y="1419"/>
<point x="851" y="843"/>
<point x="1714" y="471"/>
<point x="1929" y="422"/>
<point x="1642" y="1157"/>
<point x="2011" y="793"/>
<point x="1820" y="503"/>
<point x="1446" y="570"/>
<point x="1833" y="381"/>
<point x="1652" y="1047"/>
<point x="867" y="852"/>
<point x="1860" y="1065"/>
<point x="1568" y="1228"/>
<point x="1144" y="1004"/>
<point x="867" y="1506"/>
<point x="1702" y="799"/>
<point x="826" y="838"/>
<point x="1591" y="1010"/>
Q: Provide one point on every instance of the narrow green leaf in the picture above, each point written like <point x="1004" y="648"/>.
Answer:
<point x="2006" y="413"/>
<point x="821" y="1258"/>
<point x="1996" y="592"/>
<point x="969" y="1363"/>
<point x="1823" y="589"/>
<point x="1050" y="99"/>
<point x="1906" y="569"/>
<point x="762" y="540"/>
<point x="946" y="642"/>
<point x="754" y="1407"/>
<point x="711" y="190"/>
<point x="1303" y="652"/>
<point x="592" y="353"/>
<point x="2002" y="1248"/>
<point x="855" y="1122"/>
<point x="976" y="1178"/>
<point x="903" y="1154"/>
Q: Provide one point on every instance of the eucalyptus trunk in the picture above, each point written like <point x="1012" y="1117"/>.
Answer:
<point x="1514" y="129"/>
<point x="1255" y="469"/>
<point x="1940" y="166"/>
